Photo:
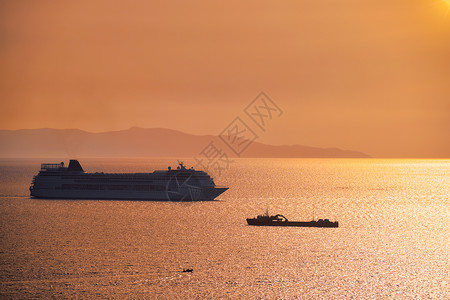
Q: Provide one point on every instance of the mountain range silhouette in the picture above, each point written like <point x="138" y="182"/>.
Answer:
<point x="141" y="142"/>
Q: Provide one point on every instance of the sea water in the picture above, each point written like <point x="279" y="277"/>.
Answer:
<point x="392" y="241"/>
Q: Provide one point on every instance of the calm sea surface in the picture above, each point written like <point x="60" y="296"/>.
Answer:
<point x="392" y="243"/>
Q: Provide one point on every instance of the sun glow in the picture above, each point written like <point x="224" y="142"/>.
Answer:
<point x="446" y="3"/>
<point x="442" y="7"/>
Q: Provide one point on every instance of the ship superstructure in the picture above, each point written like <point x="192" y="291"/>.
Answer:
<point x="72" y="182"/>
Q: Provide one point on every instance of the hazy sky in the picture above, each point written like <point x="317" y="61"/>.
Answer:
<point x="370" y="75"/>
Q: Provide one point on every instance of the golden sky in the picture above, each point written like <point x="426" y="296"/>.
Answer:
<point x="372" y="76"/>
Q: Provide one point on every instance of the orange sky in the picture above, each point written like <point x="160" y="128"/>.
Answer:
<point x="372" y="76"/>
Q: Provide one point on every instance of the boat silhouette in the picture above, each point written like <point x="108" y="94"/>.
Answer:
<point x="55" y="181"/>
<point x="280" y="220"/>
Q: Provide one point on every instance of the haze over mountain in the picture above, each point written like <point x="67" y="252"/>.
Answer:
<point x="365" y="75"/>
<point x="139" y="142"/>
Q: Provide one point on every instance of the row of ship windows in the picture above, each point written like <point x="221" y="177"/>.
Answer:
<point x="115" y="187"/>
<point x="142" y="179"/>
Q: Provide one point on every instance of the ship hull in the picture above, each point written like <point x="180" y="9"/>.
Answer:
<point x="208" y="194"/>
<point x="255" y="222"/>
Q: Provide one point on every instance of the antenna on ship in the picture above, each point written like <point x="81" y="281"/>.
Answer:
<point x="182" y="167"/>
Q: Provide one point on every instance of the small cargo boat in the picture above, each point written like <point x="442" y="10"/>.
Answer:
<point x="280" y="220"/>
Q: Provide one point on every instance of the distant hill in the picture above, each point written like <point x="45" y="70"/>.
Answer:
<point x="138" y="142"/>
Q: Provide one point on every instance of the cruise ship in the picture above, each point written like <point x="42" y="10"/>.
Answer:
<point x="55" y="181"/>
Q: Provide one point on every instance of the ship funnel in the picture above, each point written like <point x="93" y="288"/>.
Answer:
<point x="74" y="166"/>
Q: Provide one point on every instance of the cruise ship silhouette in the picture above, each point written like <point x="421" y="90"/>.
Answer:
<point x="55" y="181"/>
